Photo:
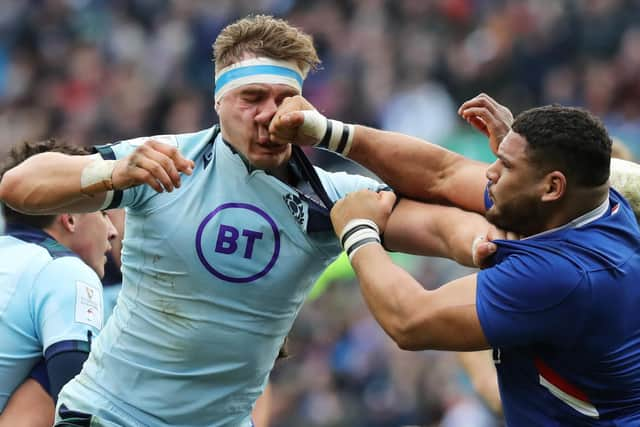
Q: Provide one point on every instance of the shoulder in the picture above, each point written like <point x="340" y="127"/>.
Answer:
<point x="342" y="183"/>
<point x="530" y="276"/>
<point x="23" y="257"/>
<point x="186" y="142"/>
<point x="67" y="270"/>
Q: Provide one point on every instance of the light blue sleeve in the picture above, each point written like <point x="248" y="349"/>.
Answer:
<point x="134" y="196"/>
<point x="66" y="302"/>
<point x="339" y="184"/>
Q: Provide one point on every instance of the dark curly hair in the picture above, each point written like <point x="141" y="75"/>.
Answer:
<point x="567" y="139"/>
<point x="18" y="154"/>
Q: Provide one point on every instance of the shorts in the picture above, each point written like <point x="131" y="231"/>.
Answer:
<point x="69" y="418"/>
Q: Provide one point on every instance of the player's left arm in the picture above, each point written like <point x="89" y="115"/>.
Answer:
<point x="416" y="318"/>
<point x="29" y="406"/>
<point x="435" y="230"/>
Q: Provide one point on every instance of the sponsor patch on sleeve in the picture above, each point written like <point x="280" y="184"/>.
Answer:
<point x="88" y="305"/>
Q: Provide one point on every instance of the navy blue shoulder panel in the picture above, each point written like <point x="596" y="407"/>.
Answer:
<point x="39" y="237"/>
<point x="40" y="374"/>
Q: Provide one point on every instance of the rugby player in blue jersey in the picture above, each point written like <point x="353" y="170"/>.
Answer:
<point x="559" y="307"/>
<point x="225" y="234"/>
<point x="50" y="300"/>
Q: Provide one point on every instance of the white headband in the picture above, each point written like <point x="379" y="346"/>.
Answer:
<point x="258" y="70"/>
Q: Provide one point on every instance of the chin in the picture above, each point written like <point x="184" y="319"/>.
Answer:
<point x="268" y="162"/>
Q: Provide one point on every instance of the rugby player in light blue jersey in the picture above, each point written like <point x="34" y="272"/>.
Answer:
<point x="560" y="306"/>
<point x="50" y="300"/>
<point x="215" y="272"/>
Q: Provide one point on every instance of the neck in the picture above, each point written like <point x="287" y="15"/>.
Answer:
<point x="283" y="173"/>
<point x="581" y="201"/>
<point x="57" y="235"/>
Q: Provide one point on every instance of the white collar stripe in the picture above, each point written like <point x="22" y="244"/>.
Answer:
<point x="582" y="220"/>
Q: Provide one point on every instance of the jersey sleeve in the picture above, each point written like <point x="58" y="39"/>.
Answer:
<point x="339" y="184"/>
<point x="531" y="298"/>
<point x="133" y="196"/>
<point x="66" y="303"/>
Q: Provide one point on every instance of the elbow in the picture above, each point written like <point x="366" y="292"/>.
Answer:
<point x="12" y="195"/>
<point x="7" y="184"/>
<point x="407" y="344"/>
<point x="407" y="336"/>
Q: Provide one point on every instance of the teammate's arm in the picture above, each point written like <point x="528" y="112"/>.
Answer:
<point x="50" y="183"/>
<point x="29" y="406"/>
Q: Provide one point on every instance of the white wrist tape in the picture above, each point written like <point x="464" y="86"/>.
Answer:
<point x="96" y="177"/>
<point x="357" y="234"/>
<point x="331" y="134"/>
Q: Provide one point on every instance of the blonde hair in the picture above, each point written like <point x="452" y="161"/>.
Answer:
<point x="620" y="150"/>
<point x="264" y="35"/>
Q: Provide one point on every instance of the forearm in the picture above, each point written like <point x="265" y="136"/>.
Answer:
<point x="420" y="170"/>
<point x="434" y="230"/>
<point x="48" y="183"/>
<point x="458" y="229"/>
<point x="389" y="291"/>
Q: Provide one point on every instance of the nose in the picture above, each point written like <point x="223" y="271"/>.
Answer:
<point x="267" y="110"/>
<point x="492" y="172"/>
<point x="112" y="232"/>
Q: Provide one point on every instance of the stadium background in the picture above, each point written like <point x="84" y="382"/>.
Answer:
<point x="96" y="71"/>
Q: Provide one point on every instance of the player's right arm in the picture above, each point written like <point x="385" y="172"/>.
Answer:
<point x="51" y="183"/>
<point x="412" y="167"/>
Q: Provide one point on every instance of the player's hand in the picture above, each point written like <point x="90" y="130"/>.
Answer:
<point x="363" y="204"/>
<point x="288" y="123"/>
<point x="483" y="247"/>
<point x="153" y="163"/>
<point x="489" y="117"/>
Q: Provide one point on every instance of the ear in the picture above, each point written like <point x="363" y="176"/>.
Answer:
<point x="555" y="186"/>
<point x="68" y="222"/>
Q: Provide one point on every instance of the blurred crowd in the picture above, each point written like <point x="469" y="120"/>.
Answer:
<point x="96" y="71"/>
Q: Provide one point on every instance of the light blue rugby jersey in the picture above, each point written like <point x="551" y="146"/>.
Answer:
<point x="214" y="275"/>
<point x="49" y="302"/>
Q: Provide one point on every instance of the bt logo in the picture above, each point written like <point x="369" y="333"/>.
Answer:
<point x="232" y="244"/>
<point x="227" y="242"/>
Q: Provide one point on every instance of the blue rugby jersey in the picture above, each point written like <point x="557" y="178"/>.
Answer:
<point x="50" y="301"/>
<point x="561" y="311"/>
<point x="214" y="274"/>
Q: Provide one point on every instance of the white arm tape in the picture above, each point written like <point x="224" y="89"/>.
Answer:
<point x="96" y="176"/>
<point x="330" y="134"/>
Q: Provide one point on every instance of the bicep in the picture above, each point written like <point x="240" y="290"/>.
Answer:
<point x="448" y="319"/>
